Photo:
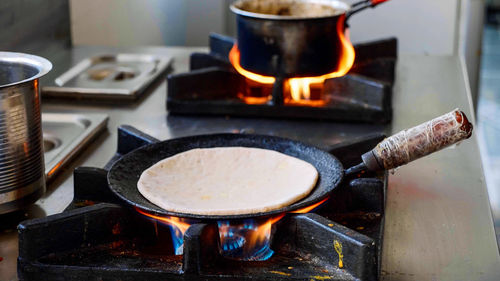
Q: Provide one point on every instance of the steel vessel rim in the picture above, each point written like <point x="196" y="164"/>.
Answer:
<point x="41" y="64"/>
<point x="341" y="7"/>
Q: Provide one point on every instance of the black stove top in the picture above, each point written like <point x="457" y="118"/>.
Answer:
<point x="213" y="87"/>
<point x="100" y="238"/>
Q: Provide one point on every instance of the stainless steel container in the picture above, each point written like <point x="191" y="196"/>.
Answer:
<point x="22" y="173"/>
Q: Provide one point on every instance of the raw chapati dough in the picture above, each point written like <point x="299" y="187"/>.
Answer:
<point x="227" y="181"/>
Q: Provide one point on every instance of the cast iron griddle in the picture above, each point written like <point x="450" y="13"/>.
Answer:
<point x="124" y="174"/>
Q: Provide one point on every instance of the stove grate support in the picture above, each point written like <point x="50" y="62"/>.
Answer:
<point x="213" y="87"/>
<point x="96" y="238"/>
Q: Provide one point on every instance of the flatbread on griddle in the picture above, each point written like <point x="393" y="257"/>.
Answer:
<point x="227" y="181"/>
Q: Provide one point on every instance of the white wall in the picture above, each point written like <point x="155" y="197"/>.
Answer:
<point x="470" y="40"/>
<point x="438" y="27"/>
<point x="145" y="22"/>
<point x="421" y="26"/>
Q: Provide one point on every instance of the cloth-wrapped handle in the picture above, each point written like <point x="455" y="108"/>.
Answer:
<point x="421" y="140"/>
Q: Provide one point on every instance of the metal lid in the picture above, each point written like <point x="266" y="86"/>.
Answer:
<point x="17" y="68"/>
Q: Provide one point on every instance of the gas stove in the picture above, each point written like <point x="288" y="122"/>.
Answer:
<point x="423" y="198"/>
<point x="214" y="87"/>
<point x="99" y="237"/>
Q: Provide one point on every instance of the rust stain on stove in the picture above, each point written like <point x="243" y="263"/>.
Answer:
<point x="280" y="273"/>
<point x="321" y="277"/>
<point x="84" y="203"/>
<point x="338" y="248"/>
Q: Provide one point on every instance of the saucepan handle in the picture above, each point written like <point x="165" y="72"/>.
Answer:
<point x="419" y="141"/>
<point x="361" y="5"/>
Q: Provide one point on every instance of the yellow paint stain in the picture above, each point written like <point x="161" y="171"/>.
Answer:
<point x="321" y="277"/>
<point x="206" y="197"/>
<point x="330" y="224"/>
<point x="338" y="248"/>
<point x="280" y="273"/>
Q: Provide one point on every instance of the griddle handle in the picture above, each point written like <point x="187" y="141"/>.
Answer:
<point x="355" y="169"/>
<point x="419" y="141"/>
<point x="361" y="5"/>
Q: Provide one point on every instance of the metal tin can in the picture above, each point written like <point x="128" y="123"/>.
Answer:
<point x="22" y="173"/>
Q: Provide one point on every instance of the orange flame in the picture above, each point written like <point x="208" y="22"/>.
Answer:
<point x="234" y="58"/>
<point x="173" y="221"/>
<point x="309" y="208"/>
<point x="256" y="100"/>
<point x="300" y="87"/>
<point x="263" y="231"/>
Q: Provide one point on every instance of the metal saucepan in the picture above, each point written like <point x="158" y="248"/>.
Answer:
<point x="293" y="38"/>
<point x="397" y="150"/>
<point x="22" y="175"/>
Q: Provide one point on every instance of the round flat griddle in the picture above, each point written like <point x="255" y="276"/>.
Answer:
<point x="125" y="173"/>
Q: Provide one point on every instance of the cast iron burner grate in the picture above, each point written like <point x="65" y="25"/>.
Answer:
<point x="98" y="238"/>
<point x="213" y="87"/>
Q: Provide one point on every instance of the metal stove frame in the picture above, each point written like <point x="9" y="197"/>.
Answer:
<point x="212" y="85"/>
<point x="98" y="238"/>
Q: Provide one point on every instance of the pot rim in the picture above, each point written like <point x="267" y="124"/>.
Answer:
<point x="42" y="65"/>
<point x="340" y="6"/>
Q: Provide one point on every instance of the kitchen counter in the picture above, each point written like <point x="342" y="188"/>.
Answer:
<point x="438" y="223"/>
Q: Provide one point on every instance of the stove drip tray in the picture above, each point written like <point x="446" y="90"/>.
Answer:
<point x="214" y="87"/>
<point x="100" y="238"/>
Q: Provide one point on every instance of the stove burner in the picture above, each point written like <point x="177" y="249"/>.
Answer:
<point x="247" y="240"/>
<point x="99" y="238"/>
<point x="214" y="87"/>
